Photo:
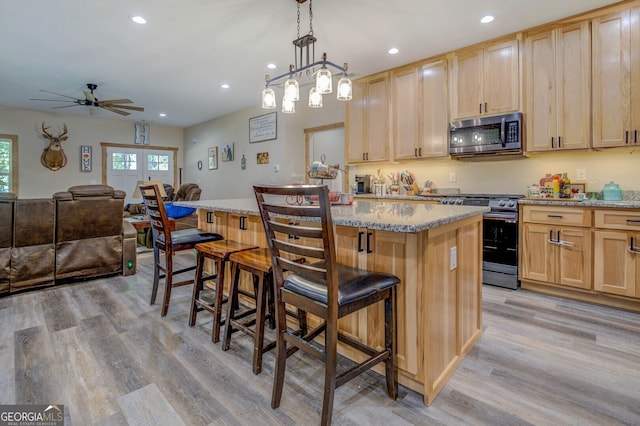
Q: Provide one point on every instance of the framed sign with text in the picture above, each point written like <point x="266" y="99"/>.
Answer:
<point x="263" y="127"/>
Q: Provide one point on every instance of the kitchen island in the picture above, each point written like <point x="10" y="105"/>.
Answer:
<point x="436" y="251"/>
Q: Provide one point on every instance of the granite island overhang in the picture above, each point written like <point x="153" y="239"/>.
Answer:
<point x="436" y="251"/>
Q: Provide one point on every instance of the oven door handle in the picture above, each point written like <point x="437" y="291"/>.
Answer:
<point x="504" y="217"/>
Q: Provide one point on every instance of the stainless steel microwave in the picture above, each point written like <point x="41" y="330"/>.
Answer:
<point x="500" y="134"/>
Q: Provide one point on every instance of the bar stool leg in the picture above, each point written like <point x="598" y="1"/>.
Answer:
<point x="258" y="337"/>
<point x="217" y="309"/>
<point x="156" y="274"/>
<point x="197" y="287"/>
<point x="231" y="305"/>
<point x="168" y="284"/>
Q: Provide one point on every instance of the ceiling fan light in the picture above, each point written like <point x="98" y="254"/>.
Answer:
<point x="345" y="91"/>
<point x="315" y="98"/>
<point x="288" y="105"/>
<point x="323" y="81"/>
<point x="292" y="89"/>
<point x="268" y="98"/>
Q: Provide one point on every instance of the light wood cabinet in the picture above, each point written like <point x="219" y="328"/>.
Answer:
<point x="557" y="88"/>
<point x="367" y="120"/>
<point x="616" y="252"/>
<point x="553" y="252"/>
<point x="485" y="80"/>
<point x="419" y="111"/>
<point x="616" y="79"/>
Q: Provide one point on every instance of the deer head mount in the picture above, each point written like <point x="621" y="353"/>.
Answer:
<point x="53" y="157"/>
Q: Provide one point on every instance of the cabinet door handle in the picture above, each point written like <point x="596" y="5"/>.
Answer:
<point x="631" y="249"/>
<point x="635" y="136"/>
<point x="243" y="223"/>
<point x="210" y="217"/>
<point x="633" y="221"/>
<point x="419" y="152"/>
<point x="552" y="145"/>
<point x="367" y="156"/>
<point x="554" y="216"/>
<point x="626" y="136"/>
<point x="559" y="141"/>
<point x="360" y="249"/>
<point x="363" y="158"/>
<point x="481" y="108"/>
<point x="369" y="242"/>
<point x="415" y="152"/>
<point x="551" y="240"/>
<point x="485" y="107"/>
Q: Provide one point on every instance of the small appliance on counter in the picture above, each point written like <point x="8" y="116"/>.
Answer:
<point x="363" y="184"/>
<point x="612" y="192"/>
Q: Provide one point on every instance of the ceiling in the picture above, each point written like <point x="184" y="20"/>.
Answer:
<point x="176" y="63"/>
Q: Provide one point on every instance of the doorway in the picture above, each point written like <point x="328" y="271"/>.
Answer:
<point x="124" y="165"/>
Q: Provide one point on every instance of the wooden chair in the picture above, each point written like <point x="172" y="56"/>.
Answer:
<point x="168" y="242"/>
<point x="321" y="287"/>
<point x="219" y="252"/>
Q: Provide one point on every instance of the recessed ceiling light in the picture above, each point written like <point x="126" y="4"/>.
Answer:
<point x="224" y="86"/>
<point x="393" y="51"/>
<point x="271" y="66"/>
<point x="487" y="19"/>
<point x="162" y="114"/>
<point x="139" y="20"/>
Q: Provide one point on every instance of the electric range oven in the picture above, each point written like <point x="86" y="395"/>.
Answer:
<point x="499" y="236"/>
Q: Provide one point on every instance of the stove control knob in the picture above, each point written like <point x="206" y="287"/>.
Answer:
<point x="511" y="203"/>
<point x="459" y="201"/>
<point x="501" y="203"/>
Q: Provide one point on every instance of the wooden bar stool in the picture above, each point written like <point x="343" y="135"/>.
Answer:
<point x="258" y="263"/>
<point x="219" y="252"/>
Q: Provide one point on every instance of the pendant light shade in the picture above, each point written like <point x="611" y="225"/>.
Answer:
<point x="268" y="98"/>
<point x="292" y="89"/>
<point x="323" y="81"/>
<point x="315" y="98"/>
<point x="344" y="89"/>
<point x="288" y="106"/>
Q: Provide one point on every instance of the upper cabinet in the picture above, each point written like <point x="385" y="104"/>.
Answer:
<point x="367" y="120"/>
<point x="419" y="111"/>
<point x="616" y="79"/>
<point x="557" y="96"/>
<point x="485" y="80"/>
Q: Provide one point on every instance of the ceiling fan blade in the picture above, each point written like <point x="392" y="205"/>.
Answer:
<point x="117" y="111"/>
<point x="51" y="100"/>
<point x="117" y="101"/>
<point x="58" y="94"/>
<point x="135" y="108"/>
<point x="65" y="106"/>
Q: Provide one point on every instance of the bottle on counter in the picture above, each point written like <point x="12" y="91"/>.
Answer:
<point x="556" y="186"/>
<point x="565" y="189"/>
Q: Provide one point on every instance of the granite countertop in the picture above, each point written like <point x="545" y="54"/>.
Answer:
<point x="624" y="204"/>
<point x="385" y="215"/>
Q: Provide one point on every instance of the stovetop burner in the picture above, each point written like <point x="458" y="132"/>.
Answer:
<point x="497" y="202"/>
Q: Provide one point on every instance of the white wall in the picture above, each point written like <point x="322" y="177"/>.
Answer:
<point x="287" y="151"/>
<point x="35" y="180"/>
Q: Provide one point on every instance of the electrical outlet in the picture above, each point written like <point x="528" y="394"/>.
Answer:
<point x="276" y="168"/>
<point x="452" y="177"/>
<point x="581" y="174"/>
<point x="453" y="258"/>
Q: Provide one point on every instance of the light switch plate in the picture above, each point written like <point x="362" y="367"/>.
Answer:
<point x="452" y="177"/>
<point x="581" y="174"/>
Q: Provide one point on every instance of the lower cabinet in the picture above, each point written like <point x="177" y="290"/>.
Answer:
<point x="557" y="255"/>
<point x="616" y="265"/>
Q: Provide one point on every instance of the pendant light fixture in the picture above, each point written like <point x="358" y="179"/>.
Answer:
<point x="306" y="71"/>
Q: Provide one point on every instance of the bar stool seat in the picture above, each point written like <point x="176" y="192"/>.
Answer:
<point x="258" y="263"/>
<point x="219" y="252"/>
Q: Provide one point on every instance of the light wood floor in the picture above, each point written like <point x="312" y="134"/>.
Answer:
<point x="99" y="348"/>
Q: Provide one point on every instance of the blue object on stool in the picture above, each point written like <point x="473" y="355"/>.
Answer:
<point x="176" y="212"/>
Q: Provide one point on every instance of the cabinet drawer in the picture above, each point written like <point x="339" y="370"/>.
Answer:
<point x="617" y="219"/>
<point x="557" y="215"/>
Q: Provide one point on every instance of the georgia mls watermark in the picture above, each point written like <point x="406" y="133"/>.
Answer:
<point x="32" y="415"/>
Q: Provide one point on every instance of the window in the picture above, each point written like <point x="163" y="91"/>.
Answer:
<point x="157" y="162"/>
<point x="124" y="161"/>
<point x="9" y="163"/>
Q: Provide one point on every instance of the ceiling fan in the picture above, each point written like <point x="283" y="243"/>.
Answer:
<point x="90" y="100"/>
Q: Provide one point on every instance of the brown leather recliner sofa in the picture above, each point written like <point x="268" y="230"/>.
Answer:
<point x="76" y="234"/>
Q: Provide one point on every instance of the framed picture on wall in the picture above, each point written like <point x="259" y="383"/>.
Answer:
<point x="263" y="127"/>
<point x="213" y="158"/>
<point x="227" y="152"/>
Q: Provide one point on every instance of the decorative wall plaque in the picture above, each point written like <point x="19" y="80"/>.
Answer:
<point x="85" y="158"/>
<point x="263" y="127"/>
